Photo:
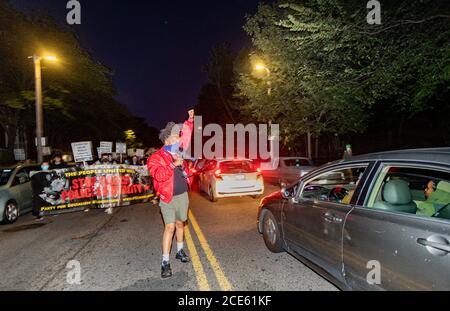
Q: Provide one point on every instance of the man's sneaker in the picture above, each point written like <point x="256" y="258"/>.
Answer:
<point x="181" y="255"/>
<point x="166" y="271"/>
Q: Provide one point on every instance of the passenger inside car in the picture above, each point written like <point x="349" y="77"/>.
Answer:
<point x="438" y="201"/>
<point x="413" y="190"/>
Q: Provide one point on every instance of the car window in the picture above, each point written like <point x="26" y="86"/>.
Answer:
<point x="336" y="186"/>
<point x="420" y="191"/>
<point x="5" y="174"/>
<point x="296" y="162"/>
<point x="21" y="178"/>
<point x="236" y="167"/>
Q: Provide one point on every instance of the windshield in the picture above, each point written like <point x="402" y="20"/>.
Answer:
<point x="5" y="173"/>
<point x="297" y="162"/>
<point x="233" y="167"/>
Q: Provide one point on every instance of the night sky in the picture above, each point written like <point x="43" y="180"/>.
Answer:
<point x="156" y="48"/>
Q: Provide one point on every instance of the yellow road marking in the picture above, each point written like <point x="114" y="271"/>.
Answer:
<point x="202" y="281"/>
<point x="221" y="278"/>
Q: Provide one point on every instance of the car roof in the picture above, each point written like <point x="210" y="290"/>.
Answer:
<point x="294" y="158"/>
<point x="436" y="155"/>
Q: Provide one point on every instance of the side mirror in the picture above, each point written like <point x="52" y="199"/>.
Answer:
<point x="286" y="193"/>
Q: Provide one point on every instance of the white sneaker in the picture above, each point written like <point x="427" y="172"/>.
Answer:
<point x="109" y="211"/>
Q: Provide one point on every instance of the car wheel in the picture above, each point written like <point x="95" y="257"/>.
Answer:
<point x="272" y="233"/>
<point x="212" y="197"/>
<point x="11" y="213"/>
<point x="199" y="186"/>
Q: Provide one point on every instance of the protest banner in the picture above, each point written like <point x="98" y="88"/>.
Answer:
<point x="82" y="151"/>
<point x="97" y="186"/>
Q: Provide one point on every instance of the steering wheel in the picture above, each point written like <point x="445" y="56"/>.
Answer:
<point x="337" y="194"/>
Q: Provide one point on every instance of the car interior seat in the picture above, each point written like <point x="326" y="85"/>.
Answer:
<point x="397" y="197"/>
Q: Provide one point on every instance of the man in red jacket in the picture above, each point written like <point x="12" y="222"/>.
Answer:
<point x="170" y="178"/>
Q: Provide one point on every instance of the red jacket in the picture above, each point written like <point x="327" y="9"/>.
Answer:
<point x="161" y="167"/>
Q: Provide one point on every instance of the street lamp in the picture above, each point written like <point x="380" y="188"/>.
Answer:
<point x="261" y="67"/>
<point x="39" y="112"/>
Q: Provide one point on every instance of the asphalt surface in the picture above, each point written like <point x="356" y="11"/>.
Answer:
<point x="122" y="252"/>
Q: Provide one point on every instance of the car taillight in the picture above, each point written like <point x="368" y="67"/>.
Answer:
<point x="194" y="170"/>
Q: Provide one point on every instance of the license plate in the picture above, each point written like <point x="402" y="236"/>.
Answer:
<point x="240" y="177"/>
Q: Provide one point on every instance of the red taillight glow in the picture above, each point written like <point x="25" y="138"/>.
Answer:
<point x="217" y="173"/>
<point x="259" y="170"/>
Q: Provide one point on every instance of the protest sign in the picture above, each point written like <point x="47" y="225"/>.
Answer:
<point x="121" y="148"/>
<point x="106" y="147"/>
<point x="140" y="153"/>
<point x="82" y="151"/>
<point x="19" y="154"/>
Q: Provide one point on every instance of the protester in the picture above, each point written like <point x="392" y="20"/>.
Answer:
<point x="38" y="181"/>
<point x="135" y="161"/>
<point x="168" y="170"/>
<point x="57" y="162"/>
<point x="348" y="153"/>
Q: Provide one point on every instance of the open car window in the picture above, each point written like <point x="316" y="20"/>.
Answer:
<point x="419" y="191"/>
<point x="336" y="186"/>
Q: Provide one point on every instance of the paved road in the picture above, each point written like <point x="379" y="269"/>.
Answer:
<point x="122" y="252"/>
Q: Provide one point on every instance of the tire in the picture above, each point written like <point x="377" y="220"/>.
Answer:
<point x="211" y="195"/>
<point x="11" y="213"/>
<point x="272" y="233"/>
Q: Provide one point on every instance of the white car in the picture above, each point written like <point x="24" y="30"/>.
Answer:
<point x="231" y="178"/>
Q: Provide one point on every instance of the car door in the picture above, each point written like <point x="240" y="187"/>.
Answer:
<point x="313" y="222"/>
<point x="21" y="189"/>
<point x="392" y="250"/>
<point x="28" y="191"/>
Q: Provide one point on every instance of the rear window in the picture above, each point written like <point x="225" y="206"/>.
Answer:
<point x="4" y="176"/>
<point x="297" y="162"/>
<point x="233" y="167"/>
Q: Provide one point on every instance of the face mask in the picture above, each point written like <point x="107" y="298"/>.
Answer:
<point x="175" y="148"/>
<point x="45" y="167"/>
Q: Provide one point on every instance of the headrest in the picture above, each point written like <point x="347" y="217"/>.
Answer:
<point x="397" y="192"/>
<point x="443" y="186"/>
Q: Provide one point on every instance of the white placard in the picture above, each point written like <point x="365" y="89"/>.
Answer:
<point x="106" y="146"/>
<point x="140" y="152"/>
<point x="19" y="154"/>
<point x="46" y="151"/>
<point x="82" y="151"/>
<point x="121" y="148"/>
<point x="131" y="152"/>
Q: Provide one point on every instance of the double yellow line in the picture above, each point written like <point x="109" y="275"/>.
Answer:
<point x="202" y="280"/>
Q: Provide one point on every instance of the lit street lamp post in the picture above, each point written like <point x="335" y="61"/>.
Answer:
<point x="39" y="110"/>
<point x="261" y="67"/>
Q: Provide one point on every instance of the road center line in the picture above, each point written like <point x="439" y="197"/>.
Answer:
<point x="221" y="278"/>
<point x="202" y="280"/>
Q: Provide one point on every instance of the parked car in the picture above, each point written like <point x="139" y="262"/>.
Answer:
<point x="289" y="170"/>
<point x="373" y="222"/>
<point x="230" y="178"/>
<point x="15" y="192"/>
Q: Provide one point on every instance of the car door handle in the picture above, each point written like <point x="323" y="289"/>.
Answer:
<point x="439" y="246"/>
<point x="328" y="217"/>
